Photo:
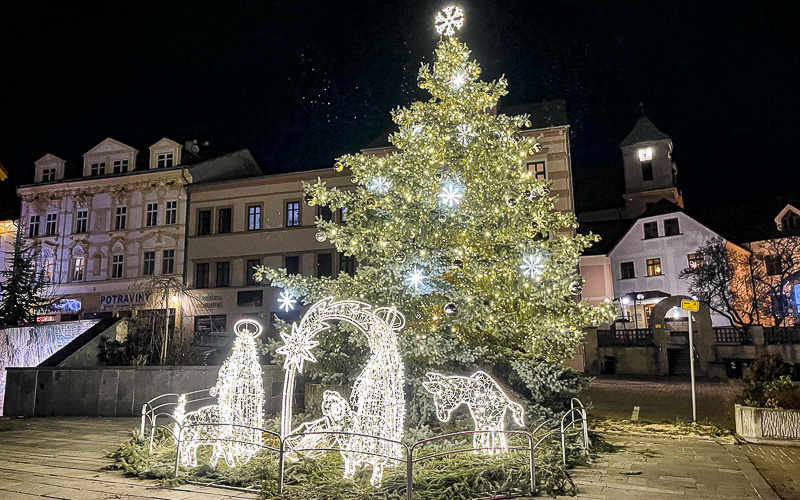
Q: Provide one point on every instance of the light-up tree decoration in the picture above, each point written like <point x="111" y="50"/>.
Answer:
<point x="232" y="426"/>
<point x="486" y="401"/>
<point x="377" y="403"/>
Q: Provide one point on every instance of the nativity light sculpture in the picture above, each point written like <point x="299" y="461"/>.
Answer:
<point x="486" y="401"/>
<point x="233" y="425"/>
<point x="377" y="404"/>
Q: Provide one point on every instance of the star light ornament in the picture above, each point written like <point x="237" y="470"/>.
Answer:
<point x="532" y="266"/>
<point x="416" y="278"/>
<point x="459" y="79"/>
<point x="287" y="301"/>
<point x="451" y="195"/>
<point x="449" y="20"/>
<point x="380" y="185"/>
<point x="465" y="134"/>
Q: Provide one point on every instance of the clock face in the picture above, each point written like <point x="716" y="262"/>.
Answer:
<point x="646" y="154"/>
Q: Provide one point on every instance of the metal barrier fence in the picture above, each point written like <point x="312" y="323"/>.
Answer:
<point x="776" y="335"/>
<point x="153" y="410"/>
<point x="732" y="335"/>
<point x="638" y="337"/>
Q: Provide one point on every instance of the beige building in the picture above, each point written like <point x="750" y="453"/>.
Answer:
<point x="8" y="231"/>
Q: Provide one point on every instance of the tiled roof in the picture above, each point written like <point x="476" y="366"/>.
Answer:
<point x="643" y="131"/>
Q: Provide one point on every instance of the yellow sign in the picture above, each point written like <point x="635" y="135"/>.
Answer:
<point x="690" y="305"/>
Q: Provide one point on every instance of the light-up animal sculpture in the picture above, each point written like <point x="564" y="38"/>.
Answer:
<point x="232" y="426"/>
<point x="486" y="402"/>
<point x="377" y="404"/>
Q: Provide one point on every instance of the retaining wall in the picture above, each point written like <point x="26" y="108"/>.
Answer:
<point x="768" y="424"/>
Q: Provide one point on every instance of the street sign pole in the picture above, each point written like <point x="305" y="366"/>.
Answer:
<point x="691" y="369"/>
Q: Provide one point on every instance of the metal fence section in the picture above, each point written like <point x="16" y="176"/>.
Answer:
<point x="638" y="337"/>
<point x="774" y="335"/>
<point x="732" y="335"/>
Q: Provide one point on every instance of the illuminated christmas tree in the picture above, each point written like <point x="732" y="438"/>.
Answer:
<point x="454" y="231"/>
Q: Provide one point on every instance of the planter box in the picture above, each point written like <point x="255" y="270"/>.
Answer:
<point x="768" y="425"/>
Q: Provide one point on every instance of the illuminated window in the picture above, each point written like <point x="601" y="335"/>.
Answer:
<point x="626" y="270"/>
<point x="78" y="268"/>
<point x="120" y="166"/>
<point x="33" y="226"/>
<point x="650" y="230"/>
<point x="292" y="213"/>
<point x="151" y="218"/>
<point x="117" y="266"/>
<point x="538" y="170"/>
<point x="121" y="220"/>
<point x="171" y="213"/>
<point x="254" y="218"/>
<point x="50" y="224"/>
<point x="695" y="260"/>
<point x="671" y="227"/>
<point x="164" y="160"/>
<point x="81" y="221"/>
<point x="168" y="262"/>
<point x="646" y="154"/>
<point x="342" y="215"/>
<point x="654" y="267"/>
<point x="97" y="169"/>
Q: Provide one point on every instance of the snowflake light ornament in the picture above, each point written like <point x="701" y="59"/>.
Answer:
<point x="416" y="278"/>
<point x="287" y="301"/>
<point x="451" y="195"/>
<point x="380" y="185"/>
<point x="532" y="266"/>
<point x="459" y="79"/>
<point x="465" y="134"/>
<point x="449" y="20"/>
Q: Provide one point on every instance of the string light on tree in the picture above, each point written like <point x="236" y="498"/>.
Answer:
<point x="449" y="20"/>
<point x="451" y="194"/>
<point x="287" y="300"/>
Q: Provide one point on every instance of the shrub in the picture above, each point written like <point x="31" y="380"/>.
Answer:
<point x="767" y="384"/>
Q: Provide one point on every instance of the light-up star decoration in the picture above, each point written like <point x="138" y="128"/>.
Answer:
<point x="532" y="265"/>
<point x="451" y="195"/>
<point x="449" y="20"/>
<point x="416" y="278"/>
<point x="297" y="347"/>
<point x="286" y="301"/>
<point x="464" y="134"/>
<point x="380" y="185"/>
<point x="459" y="79"/>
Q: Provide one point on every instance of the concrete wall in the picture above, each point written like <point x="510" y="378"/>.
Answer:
<point x="113" y="391"/>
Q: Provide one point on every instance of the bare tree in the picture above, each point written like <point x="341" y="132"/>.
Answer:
<point x="775" y="269"/>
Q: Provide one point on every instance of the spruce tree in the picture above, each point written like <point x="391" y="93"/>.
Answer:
<point x="23" y="286"/>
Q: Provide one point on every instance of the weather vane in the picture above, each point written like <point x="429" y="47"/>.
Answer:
<point x="449" y="20"/>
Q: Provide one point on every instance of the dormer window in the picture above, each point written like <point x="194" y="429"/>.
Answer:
<point x="791" y="222"/>
<point x="98" y="169"/>
<point x="646" y="154"/>
<point x="48" y="174"/>
<point x="164" y="160"/>
<point x="120" y="166"/>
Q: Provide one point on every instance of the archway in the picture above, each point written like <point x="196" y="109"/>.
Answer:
<point x="672" y="341"/>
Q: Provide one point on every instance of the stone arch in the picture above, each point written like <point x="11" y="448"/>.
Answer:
<point x="702" y="333"/>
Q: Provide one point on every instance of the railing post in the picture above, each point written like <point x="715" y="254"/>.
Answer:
<point x="281" y="451"/>
<point x="152" y="433"/>
<point x="409" y="472"/>
<point x="533" y="466"/>
<point x="144" y="412"/>
<point x="585" y="430"/>
<point x="178" y="451"/>
<point x="563" y="444"/>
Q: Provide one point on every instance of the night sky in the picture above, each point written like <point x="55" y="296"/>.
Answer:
<point x="300" y="82"/>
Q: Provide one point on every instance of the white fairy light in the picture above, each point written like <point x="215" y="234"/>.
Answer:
<point x="448" y="20"/>
<point x="451" y="195"/>
<point x="380" y="185"/>
<point x="486" y="401"/>
<point x="465" y="134"/>
<point x="459" y="79"/>
<point x="416" y="278"/>
<point x="286" y="301"/>
<point x="232" y="426"/>
<point x="377" y="403"/>
<point x="532" y="266"/>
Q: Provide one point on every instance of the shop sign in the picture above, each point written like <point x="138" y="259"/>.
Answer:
<point x="124" y="300"/>
<point x="211" y="301"/>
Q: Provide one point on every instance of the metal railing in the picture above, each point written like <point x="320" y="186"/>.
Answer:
<point x="638" y="337"/>
<point x="732" y="335"/>
<point x="568" y="420"/>
<point x="782" y="335"/>
<point x="164" y="406"/>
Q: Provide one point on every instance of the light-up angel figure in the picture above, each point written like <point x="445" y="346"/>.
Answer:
<point x="486" y="402"/>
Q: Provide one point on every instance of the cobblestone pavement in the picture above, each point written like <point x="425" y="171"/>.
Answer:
<point x="780" y="466"/>
<point x="654" y="468"/>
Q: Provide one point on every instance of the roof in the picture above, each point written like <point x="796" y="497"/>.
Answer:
<point x="643" y="131"/>
<point x="544" y="114"/>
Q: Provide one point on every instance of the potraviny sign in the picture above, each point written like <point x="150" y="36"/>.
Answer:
<point x="124" y="300"/>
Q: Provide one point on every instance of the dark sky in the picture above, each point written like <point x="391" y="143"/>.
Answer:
<point x="301" y="82"/>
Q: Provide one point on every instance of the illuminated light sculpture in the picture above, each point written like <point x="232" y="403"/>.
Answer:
<point x="377" y="404"/>
<point x="486" y="401"/>
<point x="465" y="134"/>
<point x="232" y="426"/>
<point x="451" y="195"/>
<point x="459" y="79"/>
<point x="287" y="300"/>
<point x="416" y="278"/>
<point x="380" y="185"/>
<point x="532" y="266"/>
<point x="448" y="20"/>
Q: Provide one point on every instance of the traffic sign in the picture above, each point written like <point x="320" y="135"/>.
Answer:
<point x="690" y="305"/>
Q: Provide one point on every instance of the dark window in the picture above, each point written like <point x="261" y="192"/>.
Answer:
<point x="164" y="160"/>
<point x="324" y="265"/>
<point x="204" y="222"/>
<point x="250" y="298"/>
<point x="50" y="224"/>
<point x="671" y="227"/>
<point x="224" y="223"/>
<point x="210" y="324"/>
<point x="249" y="271"/>
<point x="149" y="264"/>
<point x="120" y="166"/>
<point x="293" y="213"/>
<point x="168" y="262"/>
<point x="647" y="171"/>
<point x="650" y="230"/>
<point x="33" y="226"/>
<point x="695" y="260"/>
<point x="347" y="264"/>
<point x="48" y="175"/>
<point x="325" y="214"/>
<point x="201" y="276"/>
<point x="627" y="270"/>
<point x="654" y="267"/>
<point x="292" y="264"/>
<point x="791" y="221"/>
<point x="151" y="218"/>
<point x="82" y="221"/>
<point x="171" y="214"/>
<point x="117" y="266"/>
<point x="773" y="265"/>
<point x="253" y="218"/>
<point x="223" y="274"/>
<point x="98" y="169"/>
<point x="121" y="220"/>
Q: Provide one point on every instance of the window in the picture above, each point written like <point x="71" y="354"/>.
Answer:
<point x="325" y="214"/>
<point x="223" y="274"/>
<point x="647" y="171"/>
<point x="117" y="263"/>
<point x="164" y="160"/>
<point x="695" y="260"/>
<point x="538" y="170"/>
<point x="204" y="222"/>
<point x="250" y="298"/>
<point x="342" y="216"/>
<point x="224" y="222"/>
<point x="149" y="264"/>
<point x="627" y="270"/>
<point x="33" y="226"/>
<point x="121" y="219"/>
<point x="654" y="267"/>
<point x="201" y="276"/>
<point x="78" y="268"/>
<point x="152" y="215"/>
<point x="347" y="264"/>
<point x="324" y="265"/>
<point x="48" y="174"/>
<point x="249" y="271"/>
<point x="168" y="262"/>
<point x="212" y="323"/>
<point x="120" y="166"/>
<point x="791" y="222"/>
<point x="81" y="221"/>
<point x="646" y="154"/>
<point x="671" y="227"/>
<point x="50" y="224"/>
<point x="650" y="230"/>
<point x="171" y="214"/>
<point x="292" y="213"/>
<point x="773" y="265"/>
<point x="253" y="218"/>
<point x="97" y="169"/>
<point x="47" y="270"/>
<point x="292" y="264"/>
